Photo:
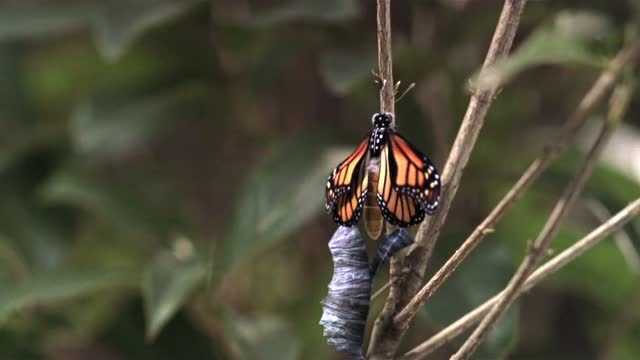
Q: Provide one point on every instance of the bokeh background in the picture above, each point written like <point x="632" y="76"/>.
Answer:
<point x="162" y="169"/>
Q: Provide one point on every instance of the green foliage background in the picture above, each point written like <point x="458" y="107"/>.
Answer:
<point x="162" y="165"/>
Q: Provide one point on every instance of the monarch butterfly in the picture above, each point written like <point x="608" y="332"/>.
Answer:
<point x="385" y="175"/>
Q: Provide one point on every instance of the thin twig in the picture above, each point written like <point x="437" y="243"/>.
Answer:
<point x="549" y="154"/>
<point x="385" y="336"/>
<point x="385" y="58"/>
<point x="621" y="238"/>
<point x="380" y="291"/>
<point x="536" y="252"/>
<point x="445" y="336"/>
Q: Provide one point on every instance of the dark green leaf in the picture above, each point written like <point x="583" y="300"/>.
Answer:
<point x="53" y="286"/>
<point x="116" y="23"/>
<point x="483" y="275"/>
<point x="280" y="196"/>
<point x="120" y="206"/>
<point x="168" y="282"/>
<point x="263" y="338"/>
<point x="115" y="129"/>
<point x="603" y="264"/>
<point x="120" y="22"/>
<point x="564" y="41"/>
<point x="32" y="232"/>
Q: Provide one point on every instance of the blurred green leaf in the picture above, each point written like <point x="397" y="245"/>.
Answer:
<point x="263" y="338"/>
<point x="32" y="232"/>
<point x="52" y="286"/>
<point x="167" y="283"/>
<point x="342" y="71"/>
<point x="120" y="22"/>
<point x="627" y="347"/>
<point x="566" y="40"/>
<point x="116" y="23"/>
<point x="309" y="10"/>
<point x="122" y="207"/>
<point x="21" y="144"/>
<point x="280" y="196"/>
<point x="20" y="133"/>
<point x="57" y="77"/>
<point x="609" y="184"/>
<point x="483" y="275"/>
<point x="615" y="188"/>
<point x="109" y="130"/>
<point x="603" y="264"/>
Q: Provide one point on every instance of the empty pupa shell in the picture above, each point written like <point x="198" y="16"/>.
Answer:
<point x="391" y="244"/>
<point x="345" y="309"/>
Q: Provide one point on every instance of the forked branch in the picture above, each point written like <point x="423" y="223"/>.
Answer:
<point x="552" y="266"/>
<point x="550" y="153"/>
<point x="538" y="248"/>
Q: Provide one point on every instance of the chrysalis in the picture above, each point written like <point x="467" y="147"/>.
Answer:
<point x="346" y="306"/>
<point x="394" y="242"/>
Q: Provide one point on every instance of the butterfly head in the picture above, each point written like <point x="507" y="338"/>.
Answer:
<point x="382" y="120"/>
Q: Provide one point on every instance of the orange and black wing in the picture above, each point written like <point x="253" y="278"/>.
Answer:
<point x="408" y="185"/>
<point x="347" y="187"/>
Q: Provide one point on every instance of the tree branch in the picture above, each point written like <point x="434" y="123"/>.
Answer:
<point x="386" y="336"/>
<point x="537" y="251"/>
<point x="549" y="154"/>
<point x="552" y="266"/>
<point x="385" y="57"/>
<point x="387" y="104"/>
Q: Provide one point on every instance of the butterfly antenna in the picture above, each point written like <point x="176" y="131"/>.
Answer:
<point x="405" y="92"/>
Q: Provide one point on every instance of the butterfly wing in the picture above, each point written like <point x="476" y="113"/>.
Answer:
<point x="408" y="185"/>
<point x="347" y="187"/>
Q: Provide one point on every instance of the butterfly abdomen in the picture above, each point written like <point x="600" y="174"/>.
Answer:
<point x="373" y="220"/>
